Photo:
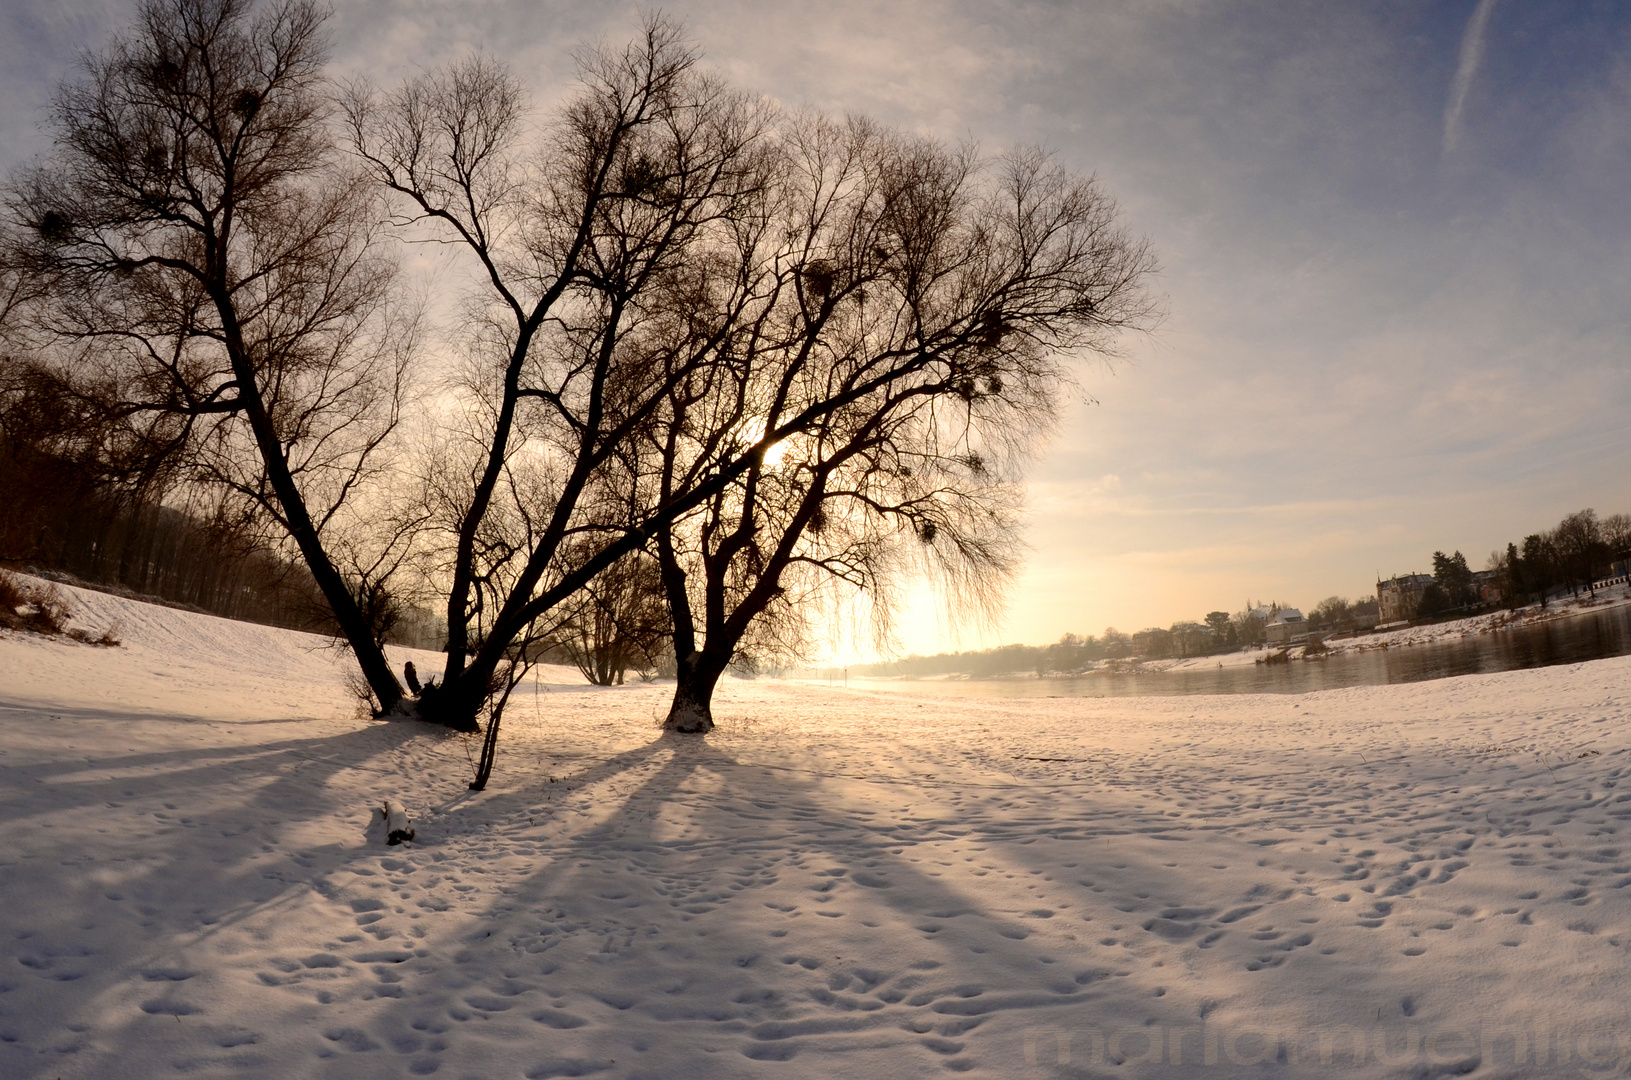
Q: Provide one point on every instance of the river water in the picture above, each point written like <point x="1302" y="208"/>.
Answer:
<point x="1590" y="636"/>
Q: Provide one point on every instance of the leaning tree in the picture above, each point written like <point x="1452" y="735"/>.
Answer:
<point x="209" y="273"/>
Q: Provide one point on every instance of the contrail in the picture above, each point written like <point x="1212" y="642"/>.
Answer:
<point x="1472" y="51"/>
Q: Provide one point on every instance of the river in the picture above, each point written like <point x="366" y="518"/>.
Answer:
<point x="1588" y="636"/>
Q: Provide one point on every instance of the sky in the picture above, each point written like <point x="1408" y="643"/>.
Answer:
<point x="1395" y="256"/>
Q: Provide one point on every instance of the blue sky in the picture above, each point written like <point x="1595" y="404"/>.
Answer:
<point x="1393" y="238"/>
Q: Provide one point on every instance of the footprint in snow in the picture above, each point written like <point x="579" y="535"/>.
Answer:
<point x="567" y="1067"/>
<point x="167" y="1008"/>
<point x="351" y="1039"/>
<point x="167" y="974"/>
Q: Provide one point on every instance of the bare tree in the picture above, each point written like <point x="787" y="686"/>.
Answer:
<point x="1251" y="624"/>
<point x="1332" y="612"/>
<point x="1541" y="564"/>
<point x="675" y="283"/>
<point x="1578" y="540"/>
<point x="214" y="271"/>
<point x="1616" y="534"/>
<point x="617" y="622"/>
<point x="903" y="341"/>
<point x="567" y="236"/>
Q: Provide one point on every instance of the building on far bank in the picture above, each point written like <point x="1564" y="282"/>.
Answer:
<point x="1286" y="627"/>
<point x="1487" y="584"/>
<point x="1398" y="596"/>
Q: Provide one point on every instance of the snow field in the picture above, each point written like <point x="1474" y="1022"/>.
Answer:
<point x="1412" y="880"/>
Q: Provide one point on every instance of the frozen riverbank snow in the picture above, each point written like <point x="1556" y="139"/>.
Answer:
<point x="1428" y="877"/>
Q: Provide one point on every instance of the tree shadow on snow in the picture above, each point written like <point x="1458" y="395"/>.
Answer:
<point x="743" y="903"/>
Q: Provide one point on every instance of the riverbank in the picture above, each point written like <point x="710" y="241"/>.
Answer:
<point x="1488" y="623"/>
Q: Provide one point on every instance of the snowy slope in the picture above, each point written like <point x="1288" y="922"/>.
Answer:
<point x="836" y="883"/>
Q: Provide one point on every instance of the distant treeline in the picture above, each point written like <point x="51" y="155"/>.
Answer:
<point x="1220" y="632"/>
<point x="1570" y="558"/>
<point x="1581" y="550"/>
<point x="76" y="504"/>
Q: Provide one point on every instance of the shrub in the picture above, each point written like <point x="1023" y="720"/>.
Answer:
<point x="41" y="610"/>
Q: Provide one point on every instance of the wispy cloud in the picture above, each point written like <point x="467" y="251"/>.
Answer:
<point x="1472" y="52"/>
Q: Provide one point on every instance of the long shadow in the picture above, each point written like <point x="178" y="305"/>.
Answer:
<point x="189" y="814"/>
<point x="527" y="797"/>
<point x="189" y="769"/>
<point x="756" y="844"/>
<point x="238" y="891"/>
<point x="771" y="997"/>
<point x="98" y="712"/>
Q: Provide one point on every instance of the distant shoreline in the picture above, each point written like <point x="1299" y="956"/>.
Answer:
<point x="1490" y="622"/>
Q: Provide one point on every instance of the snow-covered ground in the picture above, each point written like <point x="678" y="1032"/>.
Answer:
<point x="836" y="883"/>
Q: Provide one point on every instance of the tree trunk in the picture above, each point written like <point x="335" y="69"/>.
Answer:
<point x="354" y="625"/>
<point x="455" y="704"/>
<point x="489" y="753"/>
<point x="692" y="711"/>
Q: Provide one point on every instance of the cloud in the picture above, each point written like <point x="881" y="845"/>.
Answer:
<point x="1472" y="52"/>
